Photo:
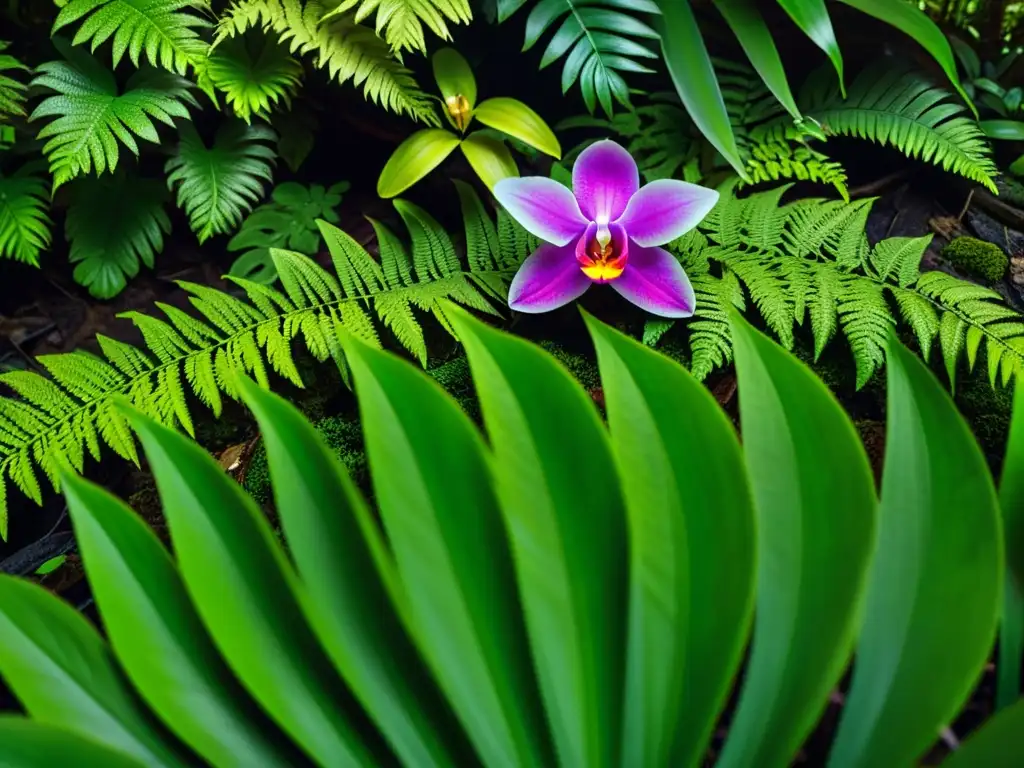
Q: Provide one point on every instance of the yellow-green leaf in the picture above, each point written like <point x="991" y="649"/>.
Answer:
<point x="415" y="158"/>
<point x="516" y="119"/>
<point x="490" y="158"/>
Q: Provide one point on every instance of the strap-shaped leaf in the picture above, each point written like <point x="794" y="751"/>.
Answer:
<point x="32" y="744"/>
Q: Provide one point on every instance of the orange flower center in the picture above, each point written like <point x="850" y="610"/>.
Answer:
<point x="601" y="261"/>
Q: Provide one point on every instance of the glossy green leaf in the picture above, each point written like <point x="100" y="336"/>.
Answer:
<point x="557" y="484"/>
<point x="247" y="595"/>
<point x="490" y="158"/>
<point x="1011" y="503"/>
<point x="415" y="157"/>
<point x="998" y="743"/>
<point x="516" y="119"/>
<point x="436" y="497"/>
<point x="1005" y="130"/>
<point x="812" y="17"/>
<point x="352" y="589"/>
<point x="815" y="500"/>
<point x="746" y="22"/>
<point x="936" y="577"/>
<point x="157" y="634"/>
<point x="914" y="23"/>
<point x="32" y="744"/>
<point x="967" y="55"/>
<point x="1011" y="643"/>
<point x="694" y="77"/>
<point x="454" y="77"/>
<point x="64" y="674"/>
<point x="692" y="556"/>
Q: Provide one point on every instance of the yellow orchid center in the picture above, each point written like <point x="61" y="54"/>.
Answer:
<point x="459" y="109"/>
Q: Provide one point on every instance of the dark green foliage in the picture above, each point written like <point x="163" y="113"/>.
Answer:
<point x="60" y="420"/>
<point x="977" y="258"/>
<point x="24" y="219"/>
<point x="12" y="90"/>
<point x="254" y="73"/>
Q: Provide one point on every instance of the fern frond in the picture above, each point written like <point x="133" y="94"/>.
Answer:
<point x="346" y="50"/>
<point x="113" y="223"/>
<point x="12" y="92"/>
<point x="599" y="40"/>
<point x="91" y="116"/>
<point x="254" y="73"/>
<point x="710" y="335"/>
<point x="216" y="186"/>
<point x="24" y="221"/>
<point x="775" y="161"/>
<point x="903" y="110"/>
<point x="160" y="29"/>
<point x="69" y="415"/>
<point x="401" y="22"/>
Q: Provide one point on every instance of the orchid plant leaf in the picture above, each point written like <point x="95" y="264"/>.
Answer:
<point x="35" y="744"/>
<point x="415" y="157"/>
<point x="812" y="17"/>
<point x="516" y="119"/>
<point x="1011" y="503"/>
<point x="457" y="85"/>
<point x="490" y="158"/>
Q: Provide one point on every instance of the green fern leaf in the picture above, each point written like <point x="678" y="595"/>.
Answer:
<point x="866" y="321"/>
<point x="599" y="40"/>
<point x="12" y="92"/>
<point x="901" y="109"/>
<point x="254" y="73"/>
<point x="91" y="116"/>
<point x="216" y="186"/>
<point x="24" y="221"/>
<point x="401" y="22"/>
<point x="920" y="315"/>
<point x="710" y="335"/>
<point x="899" y="259"/>
<point x="113" y="224"/>
<point x="158" y="28"/>
<point x="347" y="50"/>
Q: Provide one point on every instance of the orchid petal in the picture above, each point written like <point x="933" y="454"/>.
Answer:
<point x="548" y="279"/>
<point x="664" y="210"/>
<point x="604" y="178"/>
<point x="655" y="281"/>
<point x="543" y="207"/>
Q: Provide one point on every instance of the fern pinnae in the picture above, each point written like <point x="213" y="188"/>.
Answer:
<point x="68" y="414"/>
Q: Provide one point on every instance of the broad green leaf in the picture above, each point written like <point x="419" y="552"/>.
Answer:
<point x="351" y="581"/>
<point x="156" y="633"/>
<point x="64" y="674"/>
<point x="454" y="77"/>
<point x="934" y="592"/>
<point x="694" y="77"/>
<point x="516" y="119"/>
<point x="415" y="158"/>
<point x="812" y="17"/>
<point x="32" y="744"/>
<point x="1006" y="130"/>
<point x="746" y="22"/>
<point x="998" y="743"/>
<point x="559" y="491"/>
<point x="914" y="23"/>
<point x="1011" y="643"/>
<point x="967" y="55"/>
<point x="490" y="158"/>
<point x="1011" y="503"/>
<point x="247" y="595"/>
<point x="692" y="541"/>
<point x="815" y="500"/>
<point x="435" y="494"/>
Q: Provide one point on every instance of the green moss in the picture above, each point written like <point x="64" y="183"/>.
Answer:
<point x="977" y="258"/>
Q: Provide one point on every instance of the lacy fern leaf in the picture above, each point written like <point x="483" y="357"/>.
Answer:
<point x="24" y="219"/>
<point x="218" y="185"/>
<point x="113" y="224"/>
<point x="346" y="50"/>
<point x="901" y="109"/>
<point x="12" y="92"/>
<point x="254" y="73"/>
<point x="599" y="40"/>
<point x="91" y="116"/>
<point x="60" y="419"/>
<point x="160" y="29"/>
<point x="811" y="259"/>
<point x="401" y="22"/>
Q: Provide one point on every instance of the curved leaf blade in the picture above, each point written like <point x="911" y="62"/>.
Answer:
<point x="32" y="744"/>
<point x="454" y="76"/>
<point x="935" y="581"/>
<point x="516" y="119"/>
<point x="812" y="17"/>
<point x="415" y="157"/>
<point x="998" y="743"/>
<point x="815" y="499"/>
<point x="692" y="537"/>
<point x="489" y="158"/>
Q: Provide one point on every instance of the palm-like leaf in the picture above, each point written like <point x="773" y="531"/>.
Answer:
<point x="24" y="221"/>
<point x="599" y="39"/>
<point x="401" y="22"/>
<point x="216" y="186"/>
<point x="160" y="29"/>
<point x="12" y="92"/>
<point x="113" y="223"/>
<point x="254" y="73"/>
<point x="91" y="117"/>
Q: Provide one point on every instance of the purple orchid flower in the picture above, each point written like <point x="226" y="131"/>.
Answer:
<point x="606" y="230"/>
